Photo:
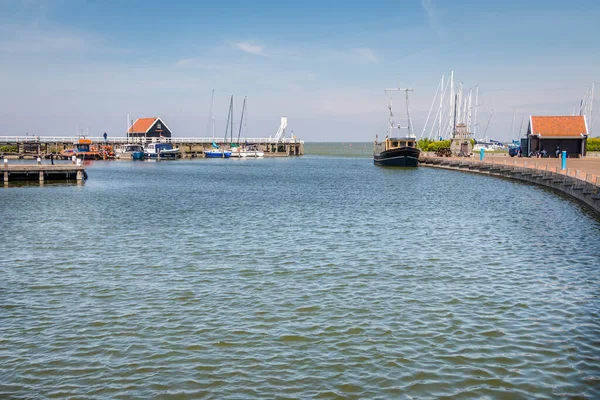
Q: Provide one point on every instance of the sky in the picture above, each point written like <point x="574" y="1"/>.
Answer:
<point x="69" y="66"/>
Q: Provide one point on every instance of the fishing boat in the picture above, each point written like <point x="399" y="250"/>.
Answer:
<point x="397" y="150"/>
<point x="160" y="150"/>
<point x="130" y="152"/>
<point x="84" y="149"/>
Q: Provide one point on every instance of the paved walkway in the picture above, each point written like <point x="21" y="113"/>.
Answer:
<point x="587" y="165"/>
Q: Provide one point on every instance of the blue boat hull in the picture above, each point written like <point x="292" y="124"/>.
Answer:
<point x="217" y="154"/>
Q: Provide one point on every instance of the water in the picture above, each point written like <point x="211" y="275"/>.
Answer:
<point x="319" y="276"/>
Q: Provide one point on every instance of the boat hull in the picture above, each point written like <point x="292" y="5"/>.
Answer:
<point x="402" y="157"/>
<point x="217" y="154"/>
<point x="162" y="155"/>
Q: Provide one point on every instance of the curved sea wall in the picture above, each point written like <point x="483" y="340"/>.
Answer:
<point x="584" y="187"/>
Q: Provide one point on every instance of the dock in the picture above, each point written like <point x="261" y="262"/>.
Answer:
<point x="44" y="146"/>
<point x="580" y="181"/>
<point x="41" y="173"/>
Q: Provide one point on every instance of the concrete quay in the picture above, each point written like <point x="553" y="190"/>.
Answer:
<point x="580" y="180"/>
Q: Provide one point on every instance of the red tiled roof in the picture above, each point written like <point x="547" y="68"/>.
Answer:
<point x="141" y="125"/>
<point x="558" y="126"/>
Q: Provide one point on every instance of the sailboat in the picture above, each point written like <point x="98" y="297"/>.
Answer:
<point x="397" y="150"/>
<point x="217" y="152"/>
<point x="246" y="151"/>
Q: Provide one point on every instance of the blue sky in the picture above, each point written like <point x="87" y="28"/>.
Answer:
<point x="74" y="64"/>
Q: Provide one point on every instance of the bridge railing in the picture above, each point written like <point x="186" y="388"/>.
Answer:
<point x="123" y="140"/>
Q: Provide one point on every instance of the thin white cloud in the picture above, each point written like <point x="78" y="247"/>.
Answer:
<point x="432" y="18"/>
<point x="251" y="48"/>
<point x="367" y="54"/>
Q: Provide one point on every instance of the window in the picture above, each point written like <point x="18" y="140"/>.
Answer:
<point x="159" y="126"/>
<point x="402" y="144"/>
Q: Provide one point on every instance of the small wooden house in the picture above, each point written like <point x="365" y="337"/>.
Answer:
<point x="567" y="133"/>
<point x="149" y="128"/>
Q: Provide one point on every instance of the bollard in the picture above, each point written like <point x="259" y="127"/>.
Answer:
<point x="78" y="162"/>
<point x="481" y="154"/>
<point x="6" y="162"/>
<point x="39" y="161"/>
<point x="564" y="160"/>
<point x="73" y="158"/>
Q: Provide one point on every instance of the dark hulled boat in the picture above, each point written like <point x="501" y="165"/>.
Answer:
<point x="397" y="152"/>
<point x="400" y="150"/>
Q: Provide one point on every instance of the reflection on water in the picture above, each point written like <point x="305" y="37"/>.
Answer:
<point x="296" y="277"/>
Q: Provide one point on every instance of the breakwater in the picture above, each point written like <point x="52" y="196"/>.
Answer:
<point x="581" y="185"/>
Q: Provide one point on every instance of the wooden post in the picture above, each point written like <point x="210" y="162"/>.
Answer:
<point x="41" y="177"/>
<point x="5" y="178"/>
<point x="79" y="175"/>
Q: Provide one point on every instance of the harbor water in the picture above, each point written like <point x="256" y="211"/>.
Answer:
<point x="317" y="276"/>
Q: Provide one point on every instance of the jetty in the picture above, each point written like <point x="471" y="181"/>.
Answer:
<point x="41" y="172"/>
<point x="580" y="181"/>
<point x="44" y="146"/>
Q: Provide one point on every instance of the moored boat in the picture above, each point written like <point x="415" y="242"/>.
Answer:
<point x="398" y="150"/>
<point x="160" y="150"/>
<point x="130" y="151"/>
<point x="217" y="153"/>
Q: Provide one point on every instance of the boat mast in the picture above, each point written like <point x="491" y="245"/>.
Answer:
<point x="475" y="115"/>
<point x="228" y="118"/>
<point x="406" y="90"/>
<point x="242" y="119"/>
<point x="441" y="105"/>
<point x="410" y="132"/>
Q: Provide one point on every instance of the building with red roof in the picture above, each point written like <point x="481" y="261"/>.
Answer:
<point x="563" y="133"/>
<point x="149" y="127"/>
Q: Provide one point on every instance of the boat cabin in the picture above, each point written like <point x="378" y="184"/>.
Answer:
<point x="397" y="143"/>
<point x="83" y="145"/>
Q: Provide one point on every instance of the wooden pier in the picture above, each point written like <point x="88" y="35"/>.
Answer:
<point x="41" y="173"/>
<point x="44" y="146"/>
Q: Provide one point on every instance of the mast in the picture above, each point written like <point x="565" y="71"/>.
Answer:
<point x="229" y="117"/>
<point x="242" y="119"/>
<point x="476" y="105"/>
<point x="591" y="123"/>
<point x="441" y="106"/>
<point x="407" y="110"/>
<point x="410" y="132"/>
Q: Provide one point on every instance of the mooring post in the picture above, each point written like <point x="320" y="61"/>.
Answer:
<point x="481" y="154"/>
<point x="39" y="161"/>
<point x="564" y="159"/>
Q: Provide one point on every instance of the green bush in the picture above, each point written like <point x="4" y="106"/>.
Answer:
<point x="8" y="149"/>
<point x="435" y="146"/>
<point x="423" y="144"/>
<point x="593" y="144"/>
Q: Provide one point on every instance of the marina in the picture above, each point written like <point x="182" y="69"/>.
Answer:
<point x="299" y="200"/>
<point x="44" y="146"/>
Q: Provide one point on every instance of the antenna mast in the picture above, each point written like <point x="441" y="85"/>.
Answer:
<point x="406" y="90"/>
